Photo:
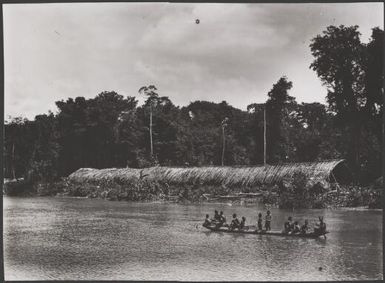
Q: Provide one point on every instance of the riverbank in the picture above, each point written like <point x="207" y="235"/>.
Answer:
<point x="289" y="194"/>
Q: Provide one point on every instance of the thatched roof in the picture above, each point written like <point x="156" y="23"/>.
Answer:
<point x="230" y="176"/>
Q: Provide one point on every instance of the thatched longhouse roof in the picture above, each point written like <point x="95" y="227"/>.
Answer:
<point x="230" y="176"/>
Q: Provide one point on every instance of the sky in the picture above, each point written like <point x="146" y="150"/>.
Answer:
<point x="236" y="52"/>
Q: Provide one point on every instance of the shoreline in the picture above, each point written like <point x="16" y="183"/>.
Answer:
<point x="333" y="208"/>
<point x="356" y="198"/>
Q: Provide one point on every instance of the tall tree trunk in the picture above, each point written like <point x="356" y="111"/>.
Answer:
<point x="223" y="144"/>
<point x="192" y="152"/>
<point x="354" y="152"/>
<point x="151" y="146"/>
<point x="13" y="160"/>
<point x="264" y="135"/>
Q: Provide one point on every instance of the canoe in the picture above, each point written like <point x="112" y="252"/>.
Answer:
<point x="270" y="233"/>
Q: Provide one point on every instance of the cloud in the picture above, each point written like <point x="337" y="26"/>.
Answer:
<point x="235" y="53"/>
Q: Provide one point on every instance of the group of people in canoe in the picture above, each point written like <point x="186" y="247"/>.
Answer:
<point x="219" y="220"/>
<point x="293" y="227"/>
<point x="290" y="226"/>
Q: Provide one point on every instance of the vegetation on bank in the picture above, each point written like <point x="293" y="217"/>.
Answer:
<point x="296" y="191"/>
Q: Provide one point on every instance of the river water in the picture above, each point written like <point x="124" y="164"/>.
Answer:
<point x="70" y="238"/>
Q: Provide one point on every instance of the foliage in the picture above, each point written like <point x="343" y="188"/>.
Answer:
<point x="44" y="160"/>
<point x="299" y="191"/>
<point x="353" y="73"/>
<point x="18" y="188"/>
<point x="18" y="146"/>
<point x="277" y="109"/>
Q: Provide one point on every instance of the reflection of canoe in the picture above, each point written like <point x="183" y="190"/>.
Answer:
<point x="270" y="233"/>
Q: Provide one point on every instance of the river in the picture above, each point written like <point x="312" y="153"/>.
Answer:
<point x="88" y="239"/>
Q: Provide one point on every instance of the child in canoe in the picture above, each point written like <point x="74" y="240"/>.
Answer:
<point x="259" y="223"/>
<point x="268" y="221"/>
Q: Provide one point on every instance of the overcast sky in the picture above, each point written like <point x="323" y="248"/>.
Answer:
<point x="236" y="53"/>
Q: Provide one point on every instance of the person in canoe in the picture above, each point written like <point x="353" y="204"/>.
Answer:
<point x="234" y="223"/>
<point x="288" y="226"/>
<point x="320" y="228"/>
<point x="259" y="223"/>
<point x="216" y="216"/>
<point x="268" y="221"/>
<point x="207" y="222"/>
<point x="222" y="218"/>
<point x="305" y="227"/>
<point x="242" y="225"/>
<point x="296" y="228"/>
<point x="221" y="221"/>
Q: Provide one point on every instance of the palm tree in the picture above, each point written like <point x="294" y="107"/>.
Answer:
<point x="149" y="91"/>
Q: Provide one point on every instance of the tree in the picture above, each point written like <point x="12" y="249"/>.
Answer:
<point x="44" y="161"/>
<point x="152" y="99"/>
<point x="72" y="135"/>
<point x="374" y="77"/>
<point x="18" y="143"/>
<point x="102" y="116"/>
<point x="129" y="139"/>
<point x="255" y="124"/>
<point x="86" y="126"/>
<point x="224" y="125"/>
<point x="352" y="74"/>
<point x="277" y="106"/>
<point x="204" y="139"/>
<point x="313" y="134"/>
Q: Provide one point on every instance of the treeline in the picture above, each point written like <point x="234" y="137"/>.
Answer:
<point x="111" y="130"/>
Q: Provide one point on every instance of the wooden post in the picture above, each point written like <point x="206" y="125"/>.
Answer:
<point x="223" y="144"/>
<point x="152" y="150"/>
<point x="13" y="160"/>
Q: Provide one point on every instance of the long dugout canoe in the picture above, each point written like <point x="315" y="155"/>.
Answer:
<point x="267" y="233"/>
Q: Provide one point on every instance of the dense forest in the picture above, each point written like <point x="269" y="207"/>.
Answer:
<point x="111" y="130"/>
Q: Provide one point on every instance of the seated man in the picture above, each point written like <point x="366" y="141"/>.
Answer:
<point x="207" y="222"/>
<point x="222" y="220"/>
<point x="320" y="227"/>
<point x="234" y="223"/>
<point x="296" y="228"/>
<point x="305" y="227"/>
<point x="288" y="225"/>
<point x="216" y="216"/>
<point x="243" y="223"/>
